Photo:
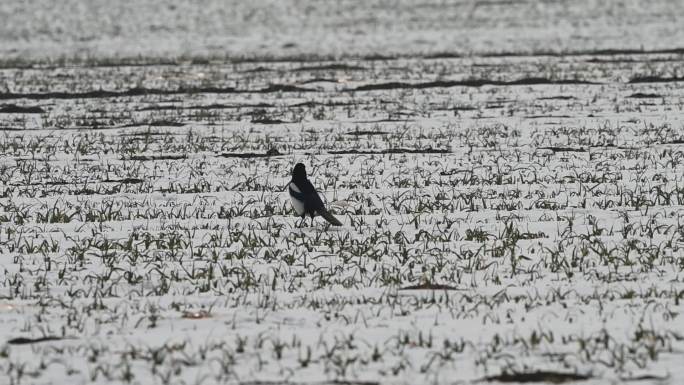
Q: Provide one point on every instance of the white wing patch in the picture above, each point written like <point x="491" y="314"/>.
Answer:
<point x="298" y="206"/>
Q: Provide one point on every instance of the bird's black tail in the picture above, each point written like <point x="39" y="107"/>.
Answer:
<point x="330" y="218"/>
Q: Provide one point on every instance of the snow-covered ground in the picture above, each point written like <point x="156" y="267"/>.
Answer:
<point x="510" y="218"/>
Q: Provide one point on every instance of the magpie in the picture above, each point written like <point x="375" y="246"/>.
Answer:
<point x="305" y="199"/>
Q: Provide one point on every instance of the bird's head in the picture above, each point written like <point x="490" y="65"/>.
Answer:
<point x="299" y="171"/>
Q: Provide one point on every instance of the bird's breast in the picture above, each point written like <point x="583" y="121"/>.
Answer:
<point x="296" y="203"/>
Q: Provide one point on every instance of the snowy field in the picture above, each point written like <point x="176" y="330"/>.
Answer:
<point x="514" y="215"/>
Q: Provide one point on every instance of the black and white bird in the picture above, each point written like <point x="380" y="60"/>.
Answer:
<point x="305" y="199"/>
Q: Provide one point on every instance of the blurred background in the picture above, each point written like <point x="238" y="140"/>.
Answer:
<point x="155" y="30"/>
